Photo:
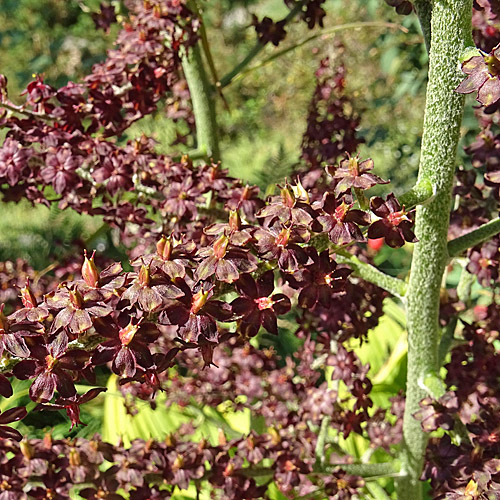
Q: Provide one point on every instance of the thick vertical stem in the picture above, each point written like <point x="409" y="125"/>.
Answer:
<point x="450" y="30"/>
<point x="202" y="96"/>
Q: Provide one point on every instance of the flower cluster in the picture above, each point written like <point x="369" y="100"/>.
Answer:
<point x="50" y="468"/>
<point x="331" y="122"/>
<point x="465" y="458"/>
<point x="213" y="264"/>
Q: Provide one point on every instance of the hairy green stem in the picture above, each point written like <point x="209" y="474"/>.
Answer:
<point x="473" y="238"/>
<point x="450" y="31"/>
<point x="366" y="471"/>
<point x="320" y="444"/>
<point x="370" y="273"/>
<point x="420" y="193"/>
<point x="203" y="100"/>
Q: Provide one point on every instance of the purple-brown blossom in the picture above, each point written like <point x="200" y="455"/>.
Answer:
<point x="258" y="306"/>
<point x="394" y="225"/>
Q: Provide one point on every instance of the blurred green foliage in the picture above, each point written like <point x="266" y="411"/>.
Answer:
<point x="56" y="38"/>
<point x="43" y="235"/>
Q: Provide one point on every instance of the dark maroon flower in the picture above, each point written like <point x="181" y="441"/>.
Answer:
<point x="106" y="486"/>
<point x="256" y="306"/>
<point x="437" y="414"/>
<point x="314" y="13"/>
<point x="224" y="261"/>
<point x="150" y="291"/>
<point x="9" y="416"/>
<point x="31" y="312"/>
<point x="341" y="222"/>
<point x="247" y="199"/>
<point x="182" y="198"/>
<point x="287" y="208"/>
<point x="105" y="17"/>
<point x="269" y="31"/>
<point x="318" y="280"/>
<point x="484" y="262"/>
<point x="76" y="312"/>
<point x="51" y="366"/>
<point x="13" y="160"/>
<point x="115" y="173"/>
<point x="171" y="257"/>
<point x="38" y="93"/>
<point x="12" y="333"/>
<point x="394" y="224"/>
<point x="281" y="243"/>
<point x="72" y="405"/>
<point x="483" y="77"/>
<point x="239" y="235"/>
<point x="128" y="345"/>
<point x="351" y="173"/>
<point x="60" y="170"/>
<point x="195" y="313"/>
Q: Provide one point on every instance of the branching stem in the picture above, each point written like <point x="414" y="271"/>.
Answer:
<point x="370" y="273"/>
<point x="450" y="31"/>
<point x="421" y="193"/>
<point x="255" y="50"/>
<point x="203" y="103"/>
<point x="473" y="238"/>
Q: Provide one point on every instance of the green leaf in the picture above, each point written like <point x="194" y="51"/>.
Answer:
<point x="376" y="491"/>
<point x="433" y="384"/>
<point x="274" y="493"/>
<point x="468" y="53"/>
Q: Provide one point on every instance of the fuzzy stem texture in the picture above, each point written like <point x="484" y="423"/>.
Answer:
<point x="202" y="96"/>
<point x="370" y="273"/>
<point x="450" y="30"/>
<point x="421" y="193"/>
<point x="473" y="238"/>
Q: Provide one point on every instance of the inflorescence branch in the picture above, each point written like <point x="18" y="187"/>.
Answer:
<point x="421" y="193"/>
<point x="256" y="49"/>
<point x="370" y="273"/>
<point x="473" y="238"/>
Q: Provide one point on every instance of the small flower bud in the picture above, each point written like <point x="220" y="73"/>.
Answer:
<point x="164" y="248"/>
<point x="198" y="301"/>
<point x="220" y="247"/>
<point x="283" y="238"/>
<point x="300" y="191"/>
<point x="27" y="449"/>
<point x="127" y="334"/>
<point x="90" y="273"/>
<point x="234" y="220"/>
<point x="47" y="441"/>
<point x="144" y="275"/>
<point x="27" y="297"/>
<point x="74" y="458"/>
<point x="287" y="196"/>
<point x="76" y="298"/>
